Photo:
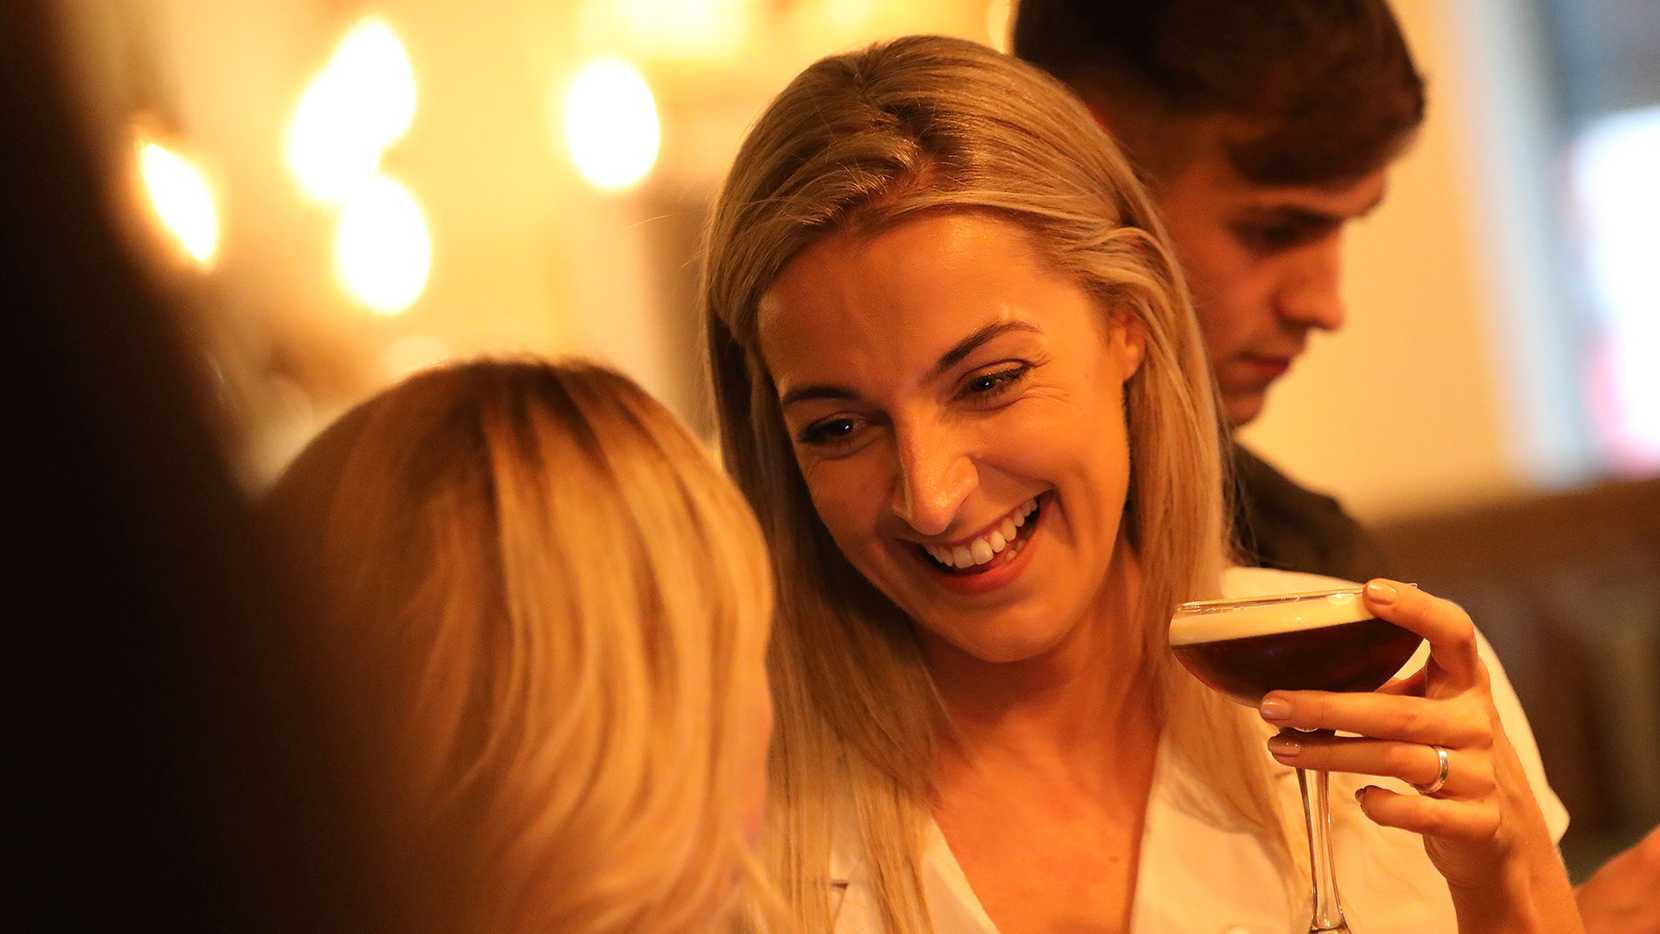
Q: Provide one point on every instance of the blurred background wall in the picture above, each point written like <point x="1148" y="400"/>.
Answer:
<point x="348" y="190"/>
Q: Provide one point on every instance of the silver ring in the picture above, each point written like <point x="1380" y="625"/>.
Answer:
<point x="1445" y="762"/>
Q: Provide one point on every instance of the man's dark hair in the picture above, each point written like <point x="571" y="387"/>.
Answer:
<point x="1319" y="91"/>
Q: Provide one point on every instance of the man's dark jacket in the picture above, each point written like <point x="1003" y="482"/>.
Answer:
<point x="1279" y="524"/>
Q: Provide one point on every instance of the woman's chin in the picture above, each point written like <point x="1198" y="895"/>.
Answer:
<point x="1001" y="642"/>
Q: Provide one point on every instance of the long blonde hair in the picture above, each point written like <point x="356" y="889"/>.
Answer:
<point x="862" y="141"/>
<point x="559" y="609"/>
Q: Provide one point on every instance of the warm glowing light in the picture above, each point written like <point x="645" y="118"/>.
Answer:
<point x="182" y="200"/>
<point x="359" y="104"/>
<point x="710" y="29"/>
<point x="372" y="66"/>
<point x="997" y="23"/>
<point x="611" y="124"/>
<point x="328" y="151"/>
<point x="382" y="250"/>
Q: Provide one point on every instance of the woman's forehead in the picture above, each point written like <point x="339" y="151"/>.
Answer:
<point x="904" y="306"/>
<point x="929" y="261"/>
<point x="894" y="281"/>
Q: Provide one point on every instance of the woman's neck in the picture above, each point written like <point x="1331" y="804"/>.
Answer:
<point x="1075" y="710"/>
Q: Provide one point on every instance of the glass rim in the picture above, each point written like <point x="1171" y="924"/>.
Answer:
<point x="1227" y="604"/>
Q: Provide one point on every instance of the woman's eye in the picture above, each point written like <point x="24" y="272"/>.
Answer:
<point x="829" y="432"/>
<point x="986" y="386"/>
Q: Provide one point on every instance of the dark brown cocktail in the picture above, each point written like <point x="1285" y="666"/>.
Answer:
<point x="1293" y="642"/>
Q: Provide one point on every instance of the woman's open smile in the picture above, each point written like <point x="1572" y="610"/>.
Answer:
<point x="994" y="557"/>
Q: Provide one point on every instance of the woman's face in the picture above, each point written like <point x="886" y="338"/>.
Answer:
<point x="957" y="413"/>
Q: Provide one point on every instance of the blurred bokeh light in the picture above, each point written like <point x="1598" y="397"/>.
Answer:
<point x="361" y="102"/>
<point x="382" y="249"/>
<point x="611" y="125"/>
<point x="181" y="199"/>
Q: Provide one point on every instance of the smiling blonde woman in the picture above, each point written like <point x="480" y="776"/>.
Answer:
<point x="960" y="380"/>
<point x="557" y="610"/>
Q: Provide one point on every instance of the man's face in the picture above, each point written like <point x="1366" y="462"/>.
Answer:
<point x="1262" y="262"/>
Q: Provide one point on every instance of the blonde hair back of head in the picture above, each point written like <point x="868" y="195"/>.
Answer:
<point x="558" y="607"/>
<point x="859" y="142"/>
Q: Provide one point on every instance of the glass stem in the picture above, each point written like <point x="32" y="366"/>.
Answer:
<point x="1328" y="910"/>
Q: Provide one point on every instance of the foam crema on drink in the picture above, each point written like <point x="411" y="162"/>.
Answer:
<point x="1325" y="641"/>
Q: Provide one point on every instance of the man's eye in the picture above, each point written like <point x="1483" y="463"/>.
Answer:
<point x="1278" y="237"/>
<point x="1273" y="237"/>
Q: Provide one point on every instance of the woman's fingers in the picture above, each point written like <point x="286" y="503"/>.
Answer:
<point x="1412" y="685"/>
<point x="1451" y="635"/>
<point x="1476" y="821"/>
<point x="1469" y="774"/>
<point x="1400" y="717"/>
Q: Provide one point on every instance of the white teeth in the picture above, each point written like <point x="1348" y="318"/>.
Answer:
<point x="981" y="550"/>
<point x="1024" y="510"/>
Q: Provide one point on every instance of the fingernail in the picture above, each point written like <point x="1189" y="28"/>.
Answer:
<point x="1284" y="747"/>
<point x="1274" y="709"/>
<point x="1360" y="796"/>
<point x="1382" y="592"/>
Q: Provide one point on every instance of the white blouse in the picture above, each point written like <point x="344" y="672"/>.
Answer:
<point x="1196" y="876"/>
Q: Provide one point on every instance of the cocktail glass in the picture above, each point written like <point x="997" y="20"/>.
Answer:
<point x="1324" y="641"/>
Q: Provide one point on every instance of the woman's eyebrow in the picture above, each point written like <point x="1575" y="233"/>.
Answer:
<point x="816" y="391"/>
<point x="958" y="352"/>
<point x="974" y="341"/>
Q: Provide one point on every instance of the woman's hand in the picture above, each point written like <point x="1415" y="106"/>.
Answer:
<point x="1481" y="825"/>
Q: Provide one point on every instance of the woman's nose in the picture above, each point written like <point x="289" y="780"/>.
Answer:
<point x="932" y="478"/>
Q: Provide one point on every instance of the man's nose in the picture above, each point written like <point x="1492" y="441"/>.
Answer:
<point x="1312" y="294"/>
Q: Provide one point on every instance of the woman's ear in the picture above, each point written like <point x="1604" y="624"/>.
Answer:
<point x="1127" y="340"/>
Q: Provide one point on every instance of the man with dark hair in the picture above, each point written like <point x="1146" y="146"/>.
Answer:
<point x="1262" y="128"/>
